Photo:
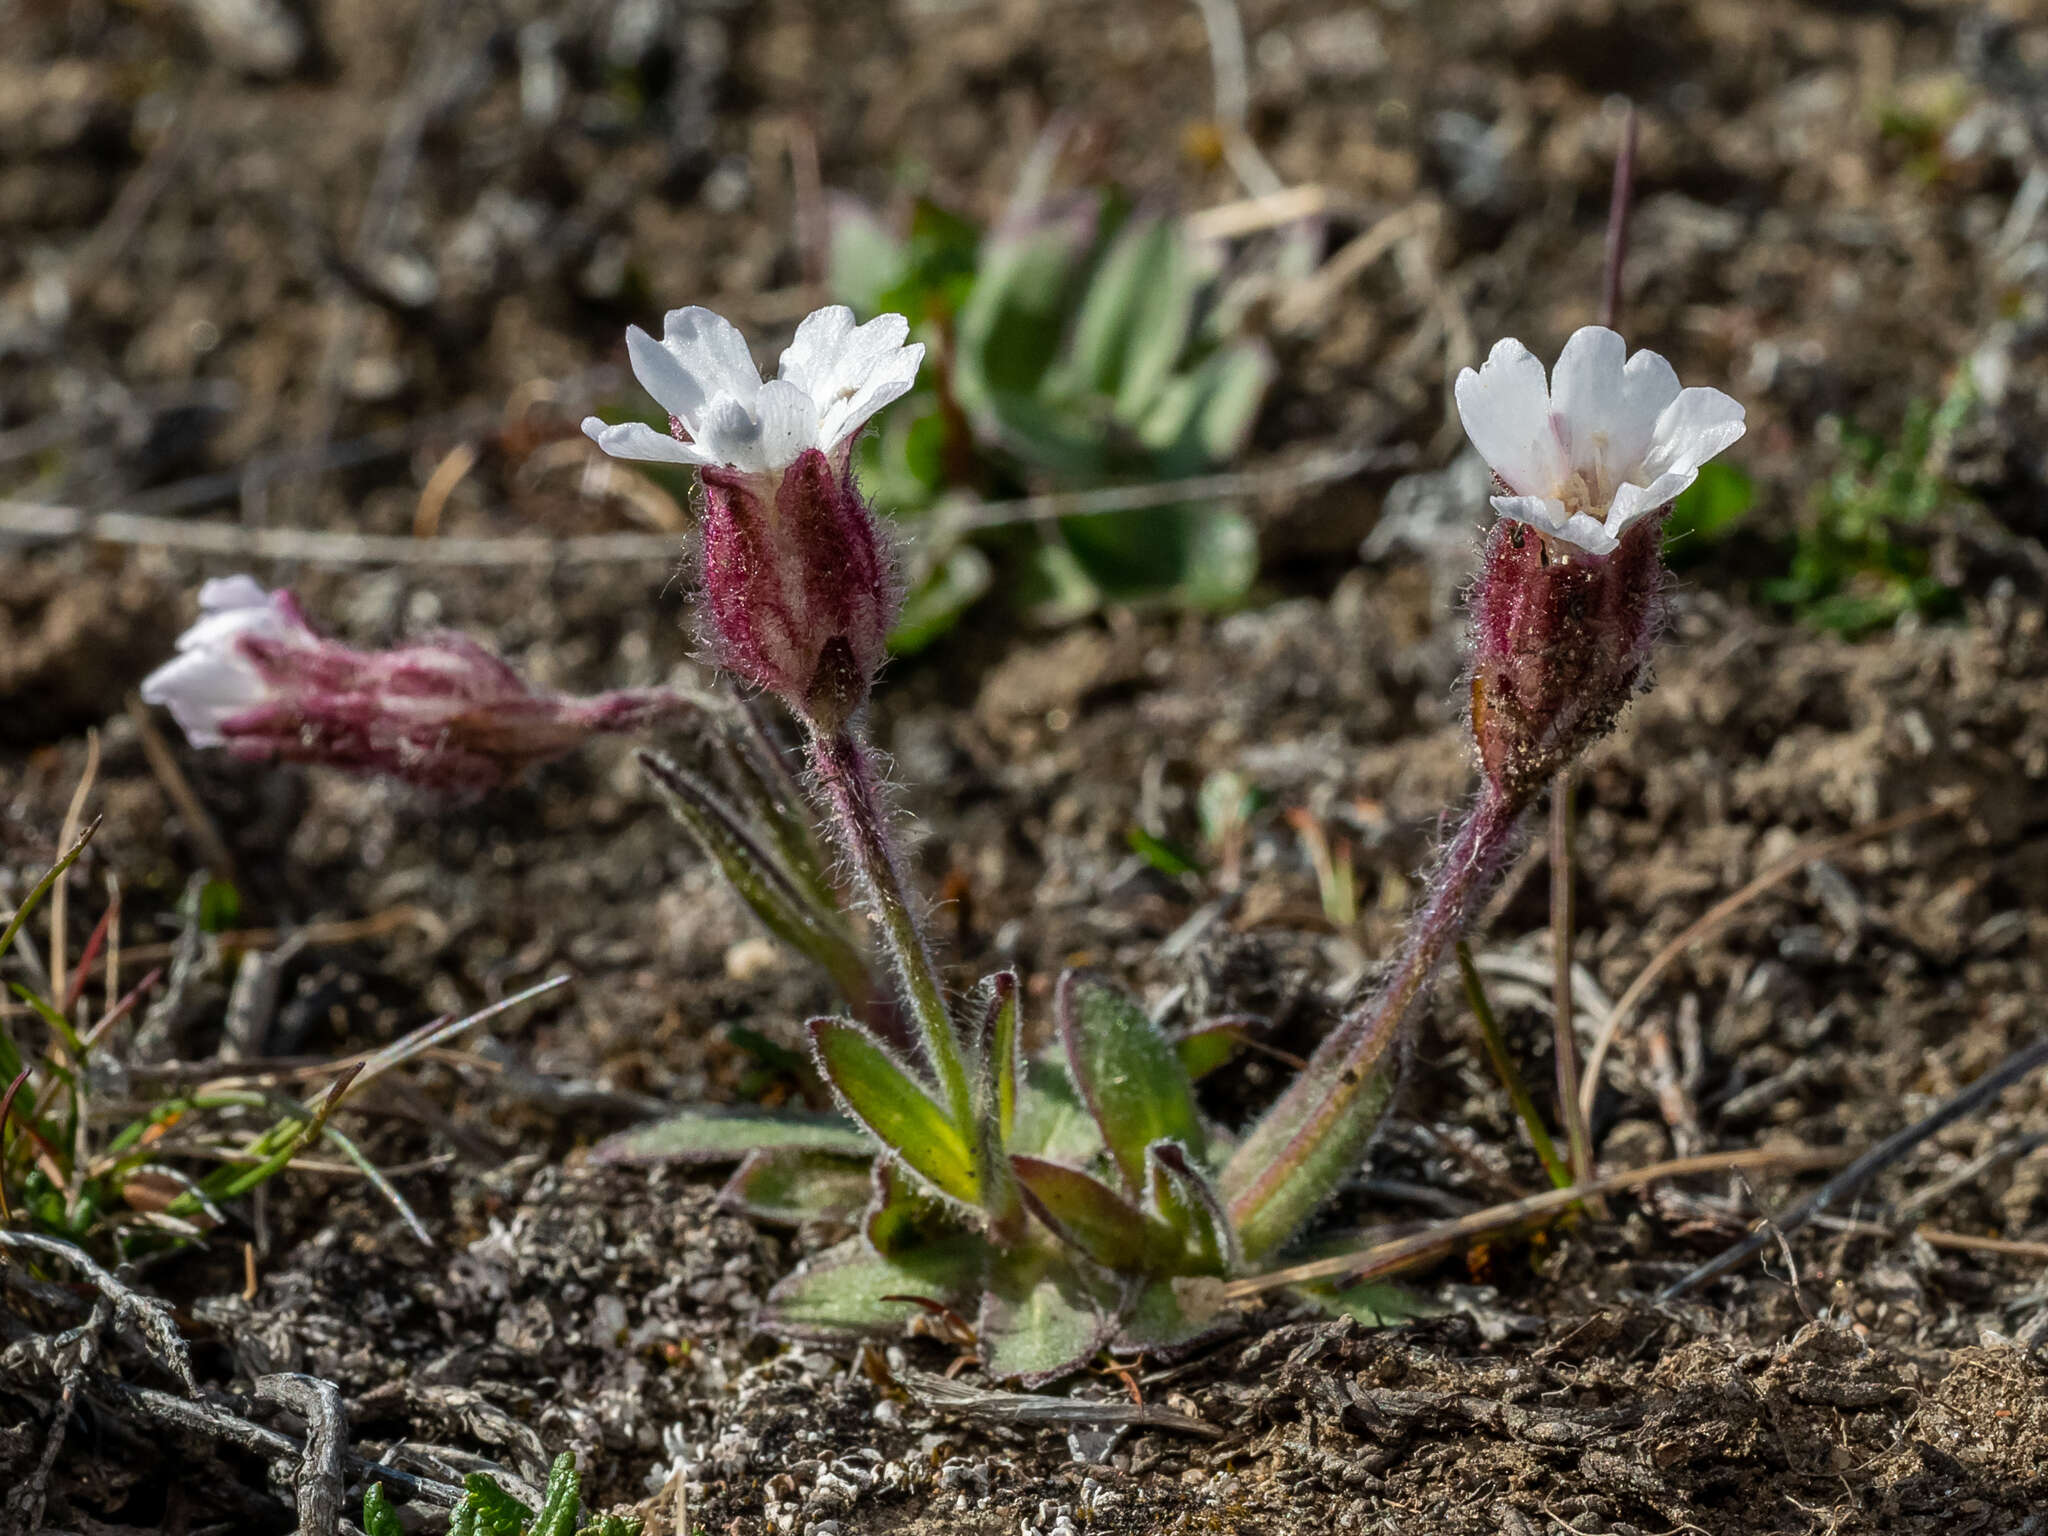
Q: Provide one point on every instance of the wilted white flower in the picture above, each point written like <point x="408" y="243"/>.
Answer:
<point x="253" y="676"/>
<point x="1608" y="439"/>
<point x="834" y="376"/>
<point x="214" y="677"/>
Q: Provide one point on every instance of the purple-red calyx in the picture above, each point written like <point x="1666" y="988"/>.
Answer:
<point x="799" y="577"/>
<point x="441" y="712"/>
<point x="1570" y="594"/>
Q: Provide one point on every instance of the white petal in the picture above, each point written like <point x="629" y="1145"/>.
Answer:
<point x="662" y="374"/>
<point x="1692" y="429"/>
<point x="813" y="353"/>
<point x="201" y="688"/>
<point x="1608" y="402"/>
<point x="225" y="592"/>
<point x="1505" y="406"/>
<point x="1547" y="516"/>
<point x="888" y="380"/>
<point x="732" y="436"/>
<point x="1634" y="501"/>
<point x="713" y="352"/>
<point x="789" y="423"/>
<point x="637" y="440"/>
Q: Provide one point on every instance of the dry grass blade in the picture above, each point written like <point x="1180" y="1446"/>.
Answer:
<point x="1444" y="1237"/>
<point x="2020" y="1064"/>
<point x="59" y="907"/>
<point x="163" y="762"/>
<point x="1715" y="916"/>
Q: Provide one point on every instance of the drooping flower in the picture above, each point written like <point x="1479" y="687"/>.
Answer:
<point x="253" y="676"/>
<point x="1608" y="440"/>
<point x="799" y="579"/>
<point x="1570" y="594"/>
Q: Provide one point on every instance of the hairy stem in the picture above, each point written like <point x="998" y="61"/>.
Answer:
<point x="845" y="767"/>
<point x="1310" y="1142"/>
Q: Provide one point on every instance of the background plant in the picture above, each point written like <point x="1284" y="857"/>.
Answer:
<point x="1077" y="344"/>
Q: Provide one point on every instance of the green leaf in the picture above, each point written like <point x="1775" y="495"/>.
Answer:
<point x="1001" y="1056"/>
<point x="465" y="1521"/>
<point x="935" y="605"/>
<point x="1209" y="1045"/>
<point x="1094" y="1219"/>
<point x="380" y="1516"/>
<point x="1205" y="555"/>
<point x="497" y="1512"/>
<point x="839" y="1294"/>
<point x="1009" y="327"/>
<point x="1039" y="1320"/>
<point x="1180" y="1195"/>
<point x="1052" y="1121"/>
<point x="1708" y="510"/>
<point x="1173" y="1313"/>
<point x="1202" y="420"/>
<point x="220" y="906"/>
<point x="880" y="1092"/>
<point x="1126" y="1072"/>
<point x="1134" y="318"/>
<point x="1376" y="1303"/>
<point x="562" y="1503"/>
<point x="709" y="1134"/>
<point x="865" y="261"/>
<point x="788" y="1186"/>
<point x="1161" y="855"/>
<point x="902" y="1214"/>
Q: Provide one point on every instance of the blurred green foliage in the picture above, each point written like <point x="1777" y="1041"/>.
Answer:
<point x="1073" y="347"/>
<point x="1861" y="559"/>
<point x="487" y="1509"/>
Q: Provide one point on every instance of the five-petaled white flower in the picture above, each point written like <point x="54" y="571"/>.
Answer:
<point x="834" y="376"/>
<point x="212" y="678"/>
<point x="1610" y="438"/>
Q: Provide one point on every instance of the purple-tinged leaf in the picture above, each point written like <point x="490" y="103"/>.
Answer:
<point x="1092" y="1218"/>
<point x="1001" y="1062"/>
<point x="788" y="1186"/>
<point x="880" y="1092"/>
<point x="1127" y="1072"/>
<point x="1040" y="1319"/>
<point x="838" y="1294"/>
<point x="1180" y="1196"/>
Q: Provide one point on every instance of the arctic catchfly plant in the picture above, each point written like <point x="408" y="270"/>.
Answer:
<point x="1044" y="1205"/>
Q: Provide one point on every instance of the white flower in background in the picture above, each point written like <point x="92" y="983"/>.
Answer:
<point x="213" y="678"/>
<point x="834" y="376"/>
<point x="1608" y="439"/>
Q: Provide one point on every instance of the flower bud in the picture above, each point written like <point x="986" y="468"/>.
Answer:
<point x="441" y="712"/>
<point x="799" y="579"/>
<point x="1570" y="595"/>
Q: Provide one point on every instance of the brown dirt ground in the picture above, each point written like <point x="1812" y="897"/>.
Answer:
<point x="188" y="287"/>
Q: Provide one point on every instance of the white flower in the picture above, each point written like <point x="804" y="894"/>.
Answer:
<point x="834" y="376"/>
<point x="212" y="679"/>
<point x="1611" y="438"/>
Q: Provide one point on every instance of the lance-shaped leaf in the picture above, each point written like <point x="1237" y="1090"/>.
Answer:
<point x="1052" y="1122"/>
<point x="1094" y="1219"/>
<point x="881" y="1093"/>
<point x="842" y="1293"/>
<point x="800" y="922"/>
<point x="1039" y="1318"/>
<point x="1127" y="1072"/>
<point x="1205" y="1047"/>
<point x="1182" y="1198"/>
<point x="1173" y="1313"/>
<point x="788" y="1186"/>
<point x="709" y="1134"/>
<point x="1001" y="1062"/>
<point x="902" y="1214"/>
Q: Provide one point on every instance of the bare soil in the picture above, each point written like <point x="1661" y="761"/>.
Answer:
<point x="377" y="251"/>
